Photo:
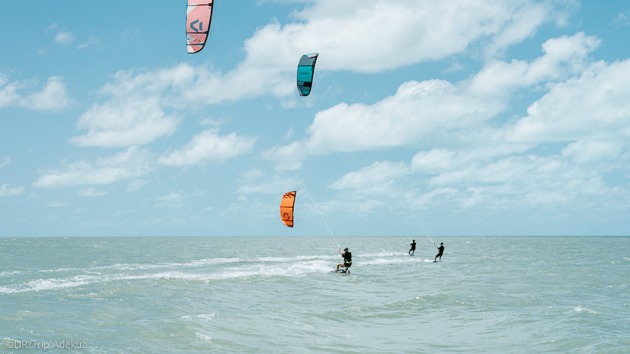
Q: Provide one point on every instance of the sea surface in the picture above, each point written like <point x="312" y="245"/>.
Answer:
<point x="278" y="295"/>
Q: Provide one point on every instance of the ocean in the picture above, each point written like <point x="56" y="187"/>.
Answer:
<point x="278" y="295"/>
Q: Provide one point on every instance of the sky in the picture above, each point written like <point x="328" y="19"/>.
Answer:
<point x="426" y="118"/>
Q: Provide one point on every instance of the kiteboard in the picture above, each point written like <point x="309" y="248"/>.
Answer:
<point x="341" y="271"/>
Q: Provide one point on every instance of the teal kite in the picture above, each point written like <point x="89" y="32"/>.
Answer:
<point x="306" y="68"/>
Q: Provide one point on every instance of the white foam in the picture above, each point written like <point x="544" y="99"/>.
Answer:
<point x="191" y="264"/>
<point x="206" y="317"/>
<point x="203" y="336"/>
<point x="50" y="284"/>
<point x="140" y="266"/>
<point x="579" y="308"/>
<point x="292" y="268"/>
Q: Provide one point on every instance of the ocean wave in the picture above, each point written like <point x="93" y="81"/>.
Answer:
<point x="54" y="284"/>
<point x="147" y="266"/>
<point x="580" y="309"/>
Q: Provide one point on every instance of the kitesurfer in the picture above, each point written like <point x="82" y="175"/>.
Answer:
<point x="413" y="248"/>
<point x="347" y="260"/>
<point x="440" y="251"/>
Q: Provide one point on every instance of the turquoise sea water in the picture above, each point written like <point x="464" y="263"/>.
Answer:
<point x="278" y="295"/>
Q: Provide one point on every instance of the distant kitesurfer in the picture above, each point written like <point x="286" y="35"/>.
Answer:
<point x="347" y="260"/>
<point x="440" y="252"/>
<point x="413" y="248"/>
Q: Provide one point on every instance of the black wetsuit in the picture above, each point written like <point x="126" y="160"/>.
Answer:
<point x="440" y="251"/>
<point x="413" y="247"/>
<point x="347" y="259"/>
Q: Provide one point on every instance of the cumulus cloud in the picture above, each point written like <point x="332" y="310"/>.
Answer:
<point x="586" y="152"/>
<point x="428" y="113"/>
<point x="376" y="174"/>
<point x="402" y="32"/>
<point x="51" y="97"/>
<point x="209" y="147"/>
<point x="132" y="163"/>
<point x="125" y="121"/>
<point x="593" y="105"/>
<point x="6" y="190"/>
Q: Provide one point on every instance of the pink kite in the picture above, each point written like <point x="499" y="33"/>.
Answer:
<point x="198" y="17"/>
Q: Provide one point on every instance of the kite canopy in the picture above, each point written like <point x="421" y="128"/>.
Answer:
<point x="306" y="68"/>
<point x="286" y="208"/>
<point x="198" y="18"/>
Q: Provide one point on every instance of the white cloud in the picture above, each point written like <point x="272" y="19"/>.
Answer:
<point x="434" y="161"/>
<point x="5" y="162"/>
<point x="585" y="152"/>
<point x="51" y="97"/>
<point x="592" y="106"/>
<point x="91" y="192"/>
<point x="89" y="43"/>
<point x="65" y="38"/>
<point x="6" y="190"/>
<point x="173" y="200"/>
<point x="399" y="32"/>
<point x="379" y="173"/>
<point x="134" y="120"/>
<point x="8" y="94"/>
<point x="133" y="163"/>
<point x="209" y="147"/>
<point x="623" y="19"/>
<point x="136" y="185"/>
<point x="523" y="23"/>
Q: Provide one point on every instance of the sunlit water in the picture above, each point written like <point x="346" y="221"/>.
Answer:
<point x="278" y="295"/>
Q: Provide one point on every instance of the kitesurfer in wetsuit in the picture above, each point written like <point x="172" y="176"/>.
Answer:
<point x="413" y="248"/>
<point x="440" y="252"/>
<point x="347" y="260"/>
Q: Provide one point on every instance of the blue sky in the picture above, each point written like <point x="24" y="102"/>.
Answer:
<point x="482" y="117"/>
